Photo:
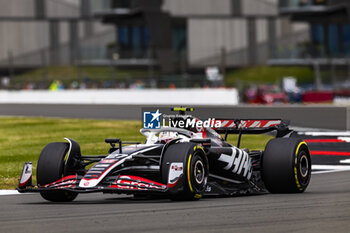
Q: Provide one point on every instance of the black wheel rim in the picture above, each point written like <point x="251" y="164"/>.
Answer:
<point x="199" y="172"/>
<point x="304" y="166"/>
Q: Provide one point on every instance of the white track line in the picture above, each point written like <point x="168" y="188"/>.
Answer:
<point x="8" y="192"/>
<point x="330" y="168"/>
<point x="345" y="161"/>
<point x="344" y="133"/>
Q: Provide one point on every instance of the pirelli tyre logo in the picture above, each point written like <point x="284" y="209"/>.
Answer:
<point x="238" y="162"/>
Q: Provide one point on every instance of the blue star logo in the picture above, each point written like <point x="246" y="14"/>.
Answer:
<point x="151" y="120"/>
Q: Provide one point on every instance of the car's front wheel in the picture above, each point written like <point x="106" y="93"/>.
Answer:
<point x="190" y="160"/>
<point x="50" y="168"/>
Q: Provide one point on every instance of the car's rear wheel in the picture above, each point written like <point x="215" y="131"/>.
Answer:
<point x="50" y="168"/>
<point x="193" y="181"/>
<point x="286" y="165"/>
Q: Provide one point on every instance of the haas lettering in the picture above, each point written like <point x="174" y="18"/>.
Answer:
<point x="239" y="162"/>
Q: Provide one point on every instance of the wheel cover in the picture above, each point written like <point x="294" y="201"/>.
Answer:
<point x="199" y="172"/>
<point x="304" y="166"/>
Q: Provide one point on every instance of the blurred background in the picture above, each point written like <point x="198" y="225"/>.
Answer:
<point x="270" y="51"/>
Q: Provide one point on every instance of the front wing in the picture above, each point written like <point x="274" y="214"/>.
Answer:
<point x="122" y="184"/>
<point x="130" y="184"/>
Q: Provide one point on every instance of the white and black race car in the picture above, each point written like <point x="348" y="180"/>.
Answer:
<point x="182" y="164"/>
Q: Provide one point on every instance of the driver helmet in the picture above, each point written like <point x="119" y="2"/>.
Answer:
<point x="165" y="137"/>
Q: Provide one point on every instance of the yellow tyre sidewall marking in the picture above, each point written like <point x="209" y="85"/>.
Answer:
<point x="198" y="147"/>
<point x="64" y="160"/>
<point x="295" y="165"/>
<point x="188" y="172"/>
<point x="65" y="157"/>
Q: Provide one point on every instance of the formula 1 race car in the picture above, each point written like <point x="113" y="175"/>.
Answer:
<point x="181" y="163"/>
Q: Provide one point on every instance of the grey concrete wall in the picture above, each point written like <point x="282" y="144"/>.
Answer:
<point x="28" y="40"/>
<point x="198" y="7"/>
<point x="26" y="8"/>
<point x="221" y="7"/>
<point x="259" y="7"/>
<point x="22" y="37"/>
<point x="99" y="5"/>
<point x="16" y="8"/>
<point x="207" y="36"/>
<point x="62" y="8"/>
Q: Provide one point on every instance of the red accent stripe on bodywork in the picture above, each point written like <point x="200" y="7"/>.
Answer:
<point x="334" y="153"/>
<point x="173" y="185"/>
<point x="71" y="177"/>
<point x="323" y="140"/>
<point x="135" y="182"/>
<point x="21" y="185"/>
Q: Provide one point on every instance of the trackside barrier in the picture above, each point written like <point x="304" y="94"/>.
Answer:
<point x="124" y="96"/>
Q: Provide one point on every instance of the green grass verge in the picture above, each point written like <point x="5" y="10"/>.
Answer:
<point x="97" y="75"/>
<point x="68" y="74"/>
<point x="268" y="74"/>
<point x="22" y="139"/>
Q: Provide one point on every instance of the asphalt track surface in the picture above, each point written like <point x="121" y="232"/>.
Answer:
<point x="324" y="207"/>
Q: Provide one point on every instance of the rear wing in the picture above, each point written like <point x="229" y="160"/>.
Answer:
<point x="248" y="126"/>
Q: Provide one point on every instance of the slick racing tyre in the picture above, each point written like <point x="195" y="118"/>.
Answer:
<point x="191" y="161"/>
<point x="50" y="168"/>
<point x="286" y="165"/>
